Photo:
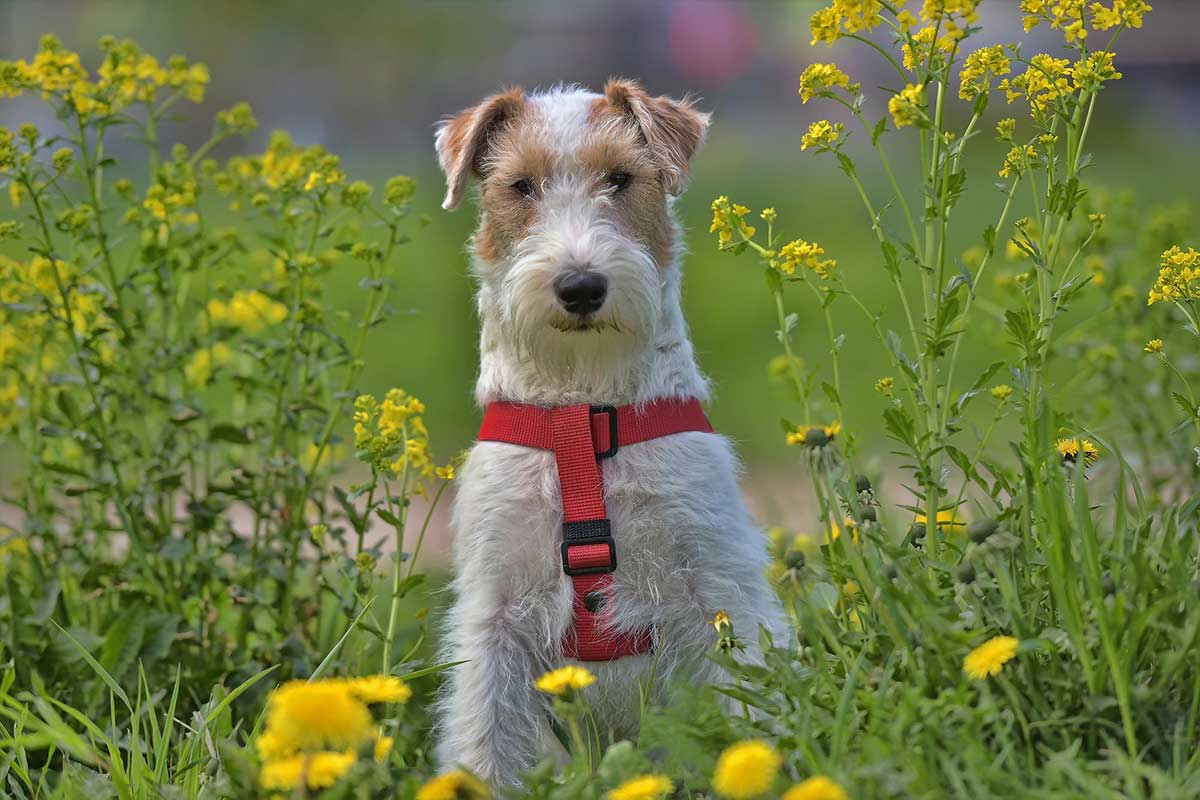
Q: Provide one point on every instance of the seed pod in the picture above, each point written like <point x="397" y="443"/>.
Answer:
<point x="1109" y="585"/>
<point x="916" y="534"/>
<point x="815" y="437"/>
<point x="890" y="571"/>
<point x="965" y="574"/>
<point x="867" y="513"/>
<point x="862" y="483"/>
<point x="981" y="530"/>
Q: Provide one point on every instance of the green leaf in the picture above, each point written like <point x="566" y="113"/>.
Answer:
<point x="95" y="665"/>
<point x="225" y="432"/>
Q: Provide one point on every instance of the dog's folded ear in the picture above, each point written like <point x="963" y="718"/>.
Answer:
<point x="462" y="141"/>
<point x="673" y="129"/>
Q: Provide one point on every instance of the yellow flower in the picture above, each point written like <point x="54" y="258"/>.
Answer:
<point x="446" y="473"/>
<point x="250" y="310"/>
<point x="1002" y="392"/>
<point x="746" y="770"/>
<point x="1178" y="277"/>
<point x="1017" y="160"/>
<point x="1043" y="82"/>
<point x="722" y="623"/>
<point x="947" y="521"/>
<point x="980" y="68"/>
<point x="383" y="748"/>
<point x="1154" y="346"/>
<point x="990" y="657"/>
<point x="819" y="79"/>
<point x="818" y="787"/>
<point x="726" y="217"/>
<point x="306" y="716"/>
<point x="799" y="253"/>
<point x="906" y="106"/>
<point x="814" y="435"/>
<point x="199" y="368"/>
<point x="1069" y="450"/>
<point x="822" y="135"/>
<point x="933" y="10"/>
<point x="379" y="689"/>
<point x="315" y="770"/>
<point x="1124" y="12"/>
<point x="565" y="680"/>
<point x="456" y="785"/>
<point x="645" y="787"/>
<point x="884" y="386"/>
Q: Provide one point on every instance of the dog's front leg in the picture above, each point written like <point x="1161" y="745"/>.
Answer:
<point x="492" y="716"/>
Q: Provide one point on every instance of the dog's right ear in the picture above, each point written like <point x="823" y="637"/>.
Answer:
<point x="462" y="141"/>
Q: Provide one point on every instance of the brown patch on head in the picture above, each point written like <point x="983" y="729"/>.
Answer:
<point x="515" y="155"/>
<point x="465" y="141"/>
<point x="672" y="129"/>
<point x="613" y="145"/>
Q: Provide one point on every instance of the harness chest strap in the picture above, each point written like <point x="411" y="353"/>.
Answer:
<point x="581" y="436"/>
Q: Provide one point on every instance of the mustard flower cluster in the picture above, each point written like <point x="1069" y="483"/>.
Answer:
<point x="979" y="70"/>
<point x="1178" y="277"/>
<point x="821" y="79"/>
<point x="1072" y="16"/>
<point x="799" y="253"/>
<point x="822" y="135"/>
<point x="126" y="76"/>
<point x="907" y="106"/>
<point x="726" y="218"/>
<point x="391" y="436"/>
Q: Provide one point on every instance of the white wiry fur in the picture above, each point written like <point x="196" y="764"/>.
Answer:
<point x="686" y="545"/>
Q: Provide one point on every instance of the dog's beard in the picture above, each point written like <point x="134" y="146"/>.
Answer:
<point x="584" y="351"/>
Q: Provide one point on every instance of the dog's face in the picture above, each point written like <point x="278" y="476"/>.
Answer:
<point x="575" y="233"/>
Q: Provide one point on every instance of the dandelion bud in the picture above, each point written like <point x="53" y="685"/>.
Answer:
<point x="862" y="483"/>
<point x="981" y="530"/>
<point x="965" y="574"/>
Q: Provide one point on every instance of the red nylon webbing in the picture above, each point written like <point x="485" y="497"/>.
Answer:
<point x="577" y="434"/>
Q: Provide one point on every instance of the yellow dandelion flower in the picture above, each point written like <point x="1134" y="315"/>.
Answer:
<point x="814" y="436"/>
<point x="383" y="748"/>
<point x="947" y="521"/>
<point x="746" y="770"/>
<point x="1070" y="449"/>
<point x="722" y="622"/>
<point x="1154" y="346"/>
<point x="565" y="680"/>
<point x="990" y="657"/>
<point x="645" y="787"/>
<point x="379" y="689"/>
<point x="456" y="785"/>
<point x="818" y="787"/>
<point x="314" y="770"/>
<point x="308" y="716"/>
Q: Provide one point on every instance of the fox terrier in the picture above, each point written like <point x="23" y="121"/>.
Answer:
<point x="593" y="447"/>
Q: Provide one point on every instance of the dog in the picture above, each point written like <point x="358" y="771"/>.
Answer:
<point x="577" y="260"/>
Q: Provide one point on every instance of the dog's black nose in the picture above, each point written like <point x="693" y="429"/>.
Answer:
<point x="581" y="292"/>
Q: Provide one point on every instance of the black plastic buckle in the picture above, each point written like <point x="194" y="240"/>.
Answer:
<point x="591" y="531"/>
<point x="613" y="444"/>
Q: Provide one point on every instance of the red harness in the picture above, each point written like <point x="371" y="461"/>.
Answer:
<point x="581" y="437"/>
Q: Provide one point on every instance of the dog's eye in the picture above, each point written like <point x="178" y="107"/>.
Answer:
<point x="618" y="180"/>
<point x="523" y="187"/>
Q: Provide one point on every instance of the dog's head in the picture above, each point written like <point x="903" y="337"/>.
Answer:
<point x="576" y="239"/>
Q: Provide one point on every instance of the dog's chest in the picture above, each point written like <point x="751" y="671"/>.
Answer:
<point x="668" y="499"/>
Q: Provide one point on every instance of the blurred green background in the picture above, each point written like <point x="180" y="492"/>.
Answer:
<point x="369" y="80"/>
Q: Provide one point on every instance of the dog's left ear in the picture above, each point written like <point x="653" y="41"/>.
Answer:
<point x="673" y="129"/>
<point x="462" y="141"/>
